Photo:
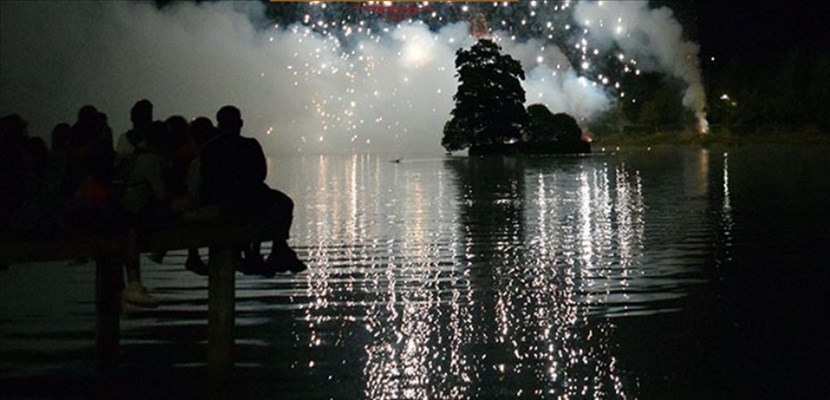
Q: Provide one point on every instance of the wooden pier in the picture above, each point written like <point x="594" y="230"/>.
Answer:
<point x="224" y="239"/>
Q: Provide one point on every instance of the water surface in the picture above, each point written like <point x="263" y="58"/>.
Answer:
<point x="666" y="273"/>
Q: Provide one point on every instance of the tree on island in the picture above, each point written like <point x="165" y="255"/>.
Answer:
<point x="489" y="105"/>
<point x="489" y="115"/>
<point x="547" y="132"/>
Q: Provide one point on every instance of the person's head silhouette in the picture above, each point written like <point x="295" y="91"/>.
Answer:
<point x="202" y="130"/>
<point x="229" y="120"/>
<point x="142" y="113"/>
<point x="87" y="116"/>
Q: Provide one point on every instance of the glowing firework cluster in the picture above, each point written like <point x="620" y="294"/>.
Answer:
<point x="563" y="46"/>
<point x="335" y="77"/>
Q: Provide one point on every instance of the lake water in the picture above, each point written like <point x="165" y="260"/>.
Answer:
<point x="655" y="274"/>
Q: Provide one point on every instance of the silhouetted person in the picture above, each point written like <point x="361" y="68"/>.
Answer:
<point x="233" y="172"/>
<point x="35" y="158"/>
<point x="146" y="188"/>
<point x="90" y="172"/>
<point x="141" y="116"/>
<point x="41" y="216"/>
<point x="180" y="152"/>
<point x="13" y="138"/>
<point x="146" y="200"/>
<point x="57" y="189"/>
<point x="91" y="145"/>
<point x="58" y="169"/>
<point x="23" y="168"/>
<point x="104" y="137"/>
<point x="201" y="130"/>
<point x="61" y="135"/>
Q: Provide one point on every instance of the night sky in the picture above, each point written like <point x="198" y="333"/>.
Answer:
<point x="41" y="58"/>
<point x="758" y="29"/>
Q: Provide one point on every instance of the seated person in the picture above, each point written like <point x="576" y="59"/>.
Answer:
<point x="181" y="150"/>
<point x="233" y="171"/>
<point x="146" y="201"/>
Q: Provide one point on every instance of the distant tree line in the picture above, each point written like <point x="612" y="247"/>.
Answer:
<point x="792" y="92"/>
<point x="743" y="96"/>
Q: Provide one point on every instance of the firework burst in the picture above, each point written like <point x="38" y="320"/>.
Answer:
<point x="576" y="56"/>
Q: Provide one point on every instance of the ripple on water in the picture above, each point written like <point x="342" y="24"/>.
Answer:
<point x="470" y="278"/>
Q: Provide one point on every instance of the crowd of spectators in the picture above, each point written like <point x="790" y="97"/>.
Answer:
<point x="158" y="174"/>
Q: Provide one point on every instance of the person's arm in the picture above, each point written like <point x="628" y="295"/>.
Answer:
<point x="259" y="161"/>
<point x="193" y="180"/>
<point x="123" y="148"/>
<point x="155" y="176"/>
<point x="207" y="174"/>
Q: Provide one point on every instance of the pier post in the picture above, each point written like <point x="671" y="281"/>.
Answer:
<point x="221" y="299"/>
<point x="109" y="281"/>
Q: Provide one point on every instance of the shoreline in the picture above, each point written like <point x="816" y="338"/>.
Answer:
<point x="712" y="138"/>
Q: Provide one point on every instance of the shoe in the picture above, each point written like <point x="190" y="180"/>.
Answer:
<point x="255" y="266"/>
<point x="196" y="266"/>
<point x="284" y="260"/>
<point x="135" y="294"/>
<point x="158" y="256"/>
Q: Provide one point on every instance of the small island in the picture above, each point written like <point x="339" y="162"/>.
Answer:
<point x="489" y="115"/>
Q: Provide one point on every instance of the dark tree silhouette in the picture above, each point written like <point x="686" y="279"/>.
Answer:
<point x="553" y="133"/>
<point x="538" y="128"/>
<point x="489" y="105"/>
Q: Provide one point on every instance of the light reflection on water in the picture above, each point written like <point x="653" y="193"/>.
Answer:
<point x="490" y="278"/>
<point x="460" y="278"/>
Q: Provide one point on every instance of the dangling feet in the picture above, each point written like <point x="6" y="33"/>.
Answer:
<point x="281" y="259"/>
<point x="284" y="259"/>
<point x="135" y="294"/>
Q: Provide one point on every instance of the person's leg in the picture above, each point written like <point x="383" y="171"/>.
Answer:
<point x="282" y="257"/>
<point x="251" y="251"/>
<point x="154" y="216"/>
<point x="132" y="263"/>
<point x="281" y="208"/>
<point x="252" y="262"/>
<point x="194" y="262"/>
<point x="135" y="293"/>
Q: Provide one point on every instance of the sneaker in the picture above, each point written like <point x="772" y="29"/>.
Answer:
<point x="135" y="294"/>
<point x="196" y="265"/>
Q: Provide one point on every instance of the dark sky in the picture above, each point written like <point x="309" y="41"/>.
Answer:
<point x="759" y="29"/>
